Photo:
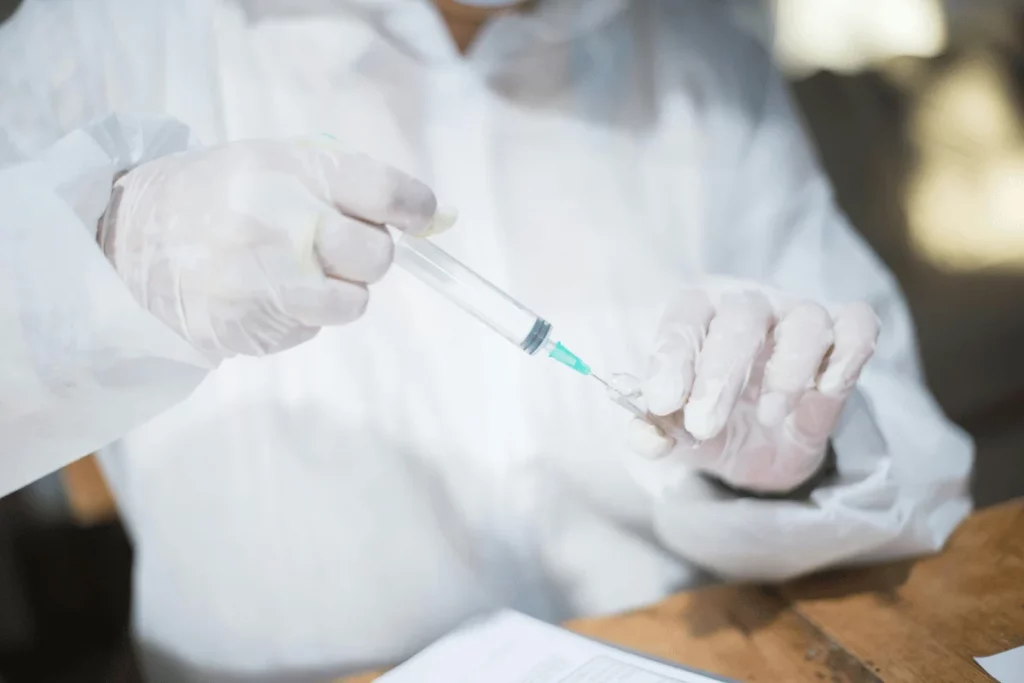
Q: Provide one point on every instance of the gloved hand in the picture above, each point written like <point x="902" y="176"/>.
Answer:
<point x="751" y="383"/>
<point x="251" y="247"/>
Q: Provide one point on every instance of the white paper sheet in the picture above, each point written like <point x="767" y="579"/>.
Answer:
<point x="1005" y="667"/>
<point x="509" y="647"/>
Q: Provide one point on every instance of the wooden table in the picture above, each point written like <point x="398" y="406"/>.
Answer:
<point x="903" y="622"/>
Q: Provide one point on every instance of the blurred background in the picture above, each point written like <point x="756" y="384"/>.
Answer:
<point x="917" y="107"/>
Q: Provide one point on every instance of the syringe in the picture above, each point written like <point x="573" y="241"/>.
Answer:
<point x="493" y="307"/>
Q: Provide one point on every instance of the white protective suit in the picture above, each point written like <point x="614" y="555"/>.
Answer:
<point x="342" y="503"/>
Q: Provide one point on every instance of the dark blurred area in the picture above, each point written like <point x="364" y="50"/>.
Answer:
<point x="64" y="598"/>
<point x="927" y="156"/>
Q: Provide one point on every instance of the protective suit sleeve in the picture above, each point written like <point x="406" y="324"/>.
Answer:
<point x="81" y="363"/>
<point x="902" y="468"/>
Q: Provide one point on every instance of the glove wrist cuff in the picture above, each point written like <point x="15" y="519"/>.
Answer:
<point x="801" y="492"/>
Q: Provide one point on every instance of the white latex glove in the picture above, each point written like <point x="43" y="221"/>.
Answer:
<point x="251" y="247"/>
<point x="751" y="383"/>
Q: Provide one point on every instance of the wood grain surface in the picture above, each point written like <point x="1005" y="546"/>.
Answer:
<point x="89" y="498"/>
<point x="901" y="622"/>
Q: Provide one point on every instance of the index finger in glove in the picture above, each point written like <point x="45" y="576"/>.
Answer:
<point x="802" y="338"/>
<point x="318" y="302"/>
<point x="351" y="249"/>
<point x="680" y="336"/>
<point x="856" y="330"/>
<point x="367" y="189"/>
<point x="735" y="337"/>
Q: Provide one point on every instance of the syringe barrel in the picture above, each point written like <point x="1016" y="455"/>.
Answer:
<point x="477" y="296"/>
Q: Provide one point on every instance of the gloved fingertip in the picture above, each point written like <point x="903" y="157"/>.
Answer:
<point x="664" y="389"/>
<point x="663" y="394"/>
<point x="414" y="207"/>
<point x="702" y="418"/>
<point x="444" y="218"/>
<point x="834" y="381"/>
<point x="772" y="409"/>
<point x="648" y="441"/>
